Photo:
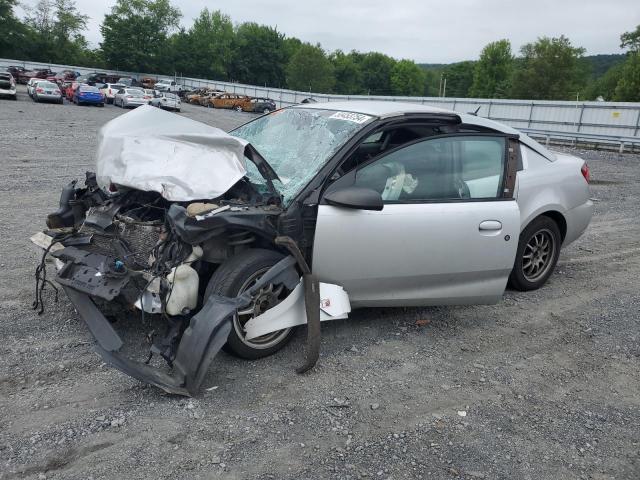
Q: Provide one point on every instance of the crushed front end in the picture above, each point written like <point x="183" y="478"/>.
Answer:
<point x="133" y="253"/>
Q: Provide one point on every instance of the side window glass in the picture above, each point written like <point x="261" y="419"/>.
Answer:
<point x="440" y="169"/>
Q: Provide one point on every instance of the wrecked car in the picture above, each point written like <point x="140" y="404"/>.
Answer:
<point x="233" y="240"/>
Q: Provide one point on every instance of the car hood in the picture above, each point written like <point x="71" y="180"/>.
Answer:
<point x="183" y="160"/>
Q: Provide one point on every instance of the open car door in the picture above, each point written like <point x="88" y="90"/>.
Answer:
<point x="447" y="231"/>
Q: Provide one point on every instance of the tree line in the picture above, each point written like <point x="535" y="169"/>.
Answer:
<point x="146" y="36"/>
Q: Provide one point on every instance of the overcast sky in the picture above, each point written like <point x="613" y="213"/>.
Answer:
<point x="426" y="31"/>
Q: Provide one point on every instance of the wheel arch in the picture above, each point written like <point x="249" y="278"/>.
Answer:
<point x="554" y="215"/>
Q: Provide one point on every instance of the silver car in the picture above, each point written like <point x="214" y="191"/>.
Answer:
<point x="44" y="91"/>
<point x="130" y="98"/>
<point x="7" y="86"/>
<point x="301" y="215"/>
<point x="165" y="101"/>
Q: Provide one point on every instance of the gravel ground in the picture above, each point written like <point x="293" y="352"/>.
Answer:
<point x="543" y="385"/>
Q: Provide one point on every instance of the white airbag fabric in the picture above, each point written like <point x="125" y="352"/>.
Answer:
<point x="183" y="160"/>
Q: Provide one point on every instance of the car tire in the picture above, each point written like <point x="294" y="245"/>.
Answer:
<point x="102" y="105"/>
<point x="537" y="254"/>
<point x="232" y="278"/>
<point x="238" y="108"/>
<point x="266" y="110"/>
<point x="60" y="101"/>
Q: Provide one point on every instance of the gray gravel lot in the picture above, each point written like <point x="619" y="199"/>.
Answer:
<point x="549" y="380"/>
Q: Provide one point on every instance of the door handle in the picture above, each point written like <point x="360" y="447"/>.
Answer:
<point x="490" y="225"/>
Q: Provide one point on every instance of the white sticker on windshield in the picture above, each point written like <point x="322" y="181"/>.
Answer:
<point x="351" y="117"/>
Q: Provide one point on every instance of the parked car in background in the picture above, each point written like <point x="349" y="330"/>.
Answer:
<point x="230" y="101"/>
<point x="25" y="75"/>
<point x="147" y="82"/>
<point x="44" y="73"/>
<point x="31" y="85"/>
<point x="8" y="86"/>
<point x="130" y="98"/>
<point x="259" y="105"/>
<point x="129" y="82"/>
<point x="166" y="101"/>
<point x="168" y="86"/>
<point x="15" y="71"/>
<point x="205" y="99"/>
<point x="46" y="91"/>
<point x="88" y="95"/>
<point x="64" y="76"/>
<point x="109" y="91"/>
<point x="148" y="93"/>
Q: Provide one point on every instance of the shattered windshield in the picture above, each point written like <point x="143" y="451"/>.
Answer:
<point x="297" y="142"/>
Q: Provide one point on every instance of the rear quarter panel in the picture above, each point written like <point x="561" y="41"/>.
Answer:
<point x="559" y="186"/>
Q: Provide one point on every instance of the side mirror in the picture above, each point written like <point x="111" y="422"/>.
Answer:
<point x="355" y="197"/>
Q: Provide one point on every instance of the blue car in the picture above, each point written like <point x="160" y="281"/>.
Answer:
<point x="86" y="94"/>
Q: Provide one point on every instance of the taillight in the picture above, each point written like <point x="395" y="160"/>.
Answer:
<point x="40" y="90"/>
<point x="56" y="92"/>
<point x="585" y="172"/>
<point x="109" y="91"/>
<point x="129" y="96"/>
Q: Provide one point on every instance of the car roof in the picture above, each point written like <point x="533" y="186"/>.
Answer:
<point x="381" y="108"/>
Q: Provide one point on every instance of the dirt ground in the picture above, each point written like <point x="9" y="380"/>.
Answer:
<point x="544" y="385"/>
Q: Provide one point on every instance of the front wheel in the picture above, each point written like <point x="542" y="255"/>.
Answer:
<point x="238" y="108"/>
<point x="235" y="276"/>
<point x="537" y="254"/>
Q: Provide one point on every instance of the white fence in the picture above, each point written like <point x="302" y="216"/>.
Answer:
<point x="613" y="122"/>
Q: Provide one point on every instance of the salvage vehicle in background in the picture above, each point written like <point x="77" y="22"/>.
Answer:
<point x="259" y="105"/>
<point x="298" y="216"/>
<point x="88" y="95"/>
<point x="109" y="91"/>
<point x="148" y="82"/>
<point x="165" y="101"/>
<point x="8" y="86"/>
<point x="130" y="98"/>
<point x="31" y="85"/>
<point x="230" y="101"/>
<point x="46" y="91"/>
<point x="15" y="71"/>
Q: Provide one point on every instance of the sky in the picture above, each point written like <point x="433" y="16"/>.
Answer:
<point x="426" y="31"/>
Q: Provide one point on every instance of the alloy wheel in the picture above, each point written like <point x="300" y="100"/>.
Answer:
<point x="538" y="255"/>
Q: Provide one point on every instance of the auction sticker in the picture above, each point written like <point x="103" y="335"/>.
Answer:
<point x="351" y="117"/>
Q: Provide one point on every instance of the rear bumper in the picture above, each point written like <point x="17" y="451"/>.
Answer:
<point x="50" y="98"/>
<point x="578" y="219"/>
<point x="8" y="91"/>
<point x="91" y="100"/>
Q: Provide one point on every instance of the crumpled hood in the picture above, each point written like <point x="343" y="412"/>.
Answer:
<point x="153" y="150"/>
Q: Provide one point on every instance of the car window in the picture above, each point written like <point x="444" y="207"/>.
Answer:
<point x="437" y="169"/>
<point x="87" y="88"/>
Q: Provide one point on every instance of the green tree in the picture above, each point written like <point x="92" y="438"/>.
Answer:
<point x="347" y="72"/>
<point x="210" y="42"/>
<point x="12" y="38"/>
<point x="135" y="34"/>
<point x="55" y="32"/>
<point x="628" y="87"/>
<point x="492" y="73"/>
<point x="310" y="69"/>
<point x="407" y="79"/>
<point x="551" y="69"/>
<point x="605" y="86"/>
<point x="631" y="40"/>
<point x="459" y="78"/>
<point x="259" y="56"/>
<point x="376" y="73"/>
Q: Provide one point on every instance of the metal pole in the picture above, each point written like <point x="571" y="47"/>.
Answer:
<point x="444" y="89"/>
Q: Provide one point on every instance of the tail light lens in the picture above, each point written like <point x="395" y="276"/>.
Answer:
<point x="585" y="172"/>
<point x="40" y="90"/>
<point x="56" y="92"/>
<point x="129" y="96"/>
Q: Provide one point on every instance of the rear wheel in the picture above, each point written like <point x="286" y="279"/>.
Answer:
<point x="537" y="254"/>
<point x="266" y="110"/>
<point x="238" y="108"/>
<point x="235" y="276"/>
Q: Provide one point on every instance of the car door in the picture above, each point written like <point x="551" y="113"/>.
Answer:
<point x="447" y="232"/>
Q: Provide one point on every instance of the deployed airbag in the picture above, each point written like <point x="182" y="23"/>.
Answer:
<point x="152" y="150"/>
